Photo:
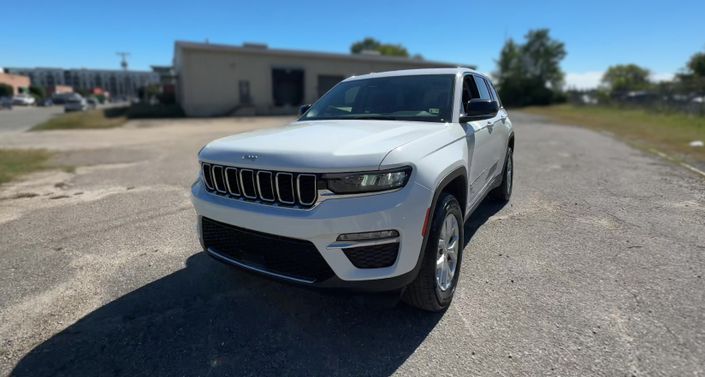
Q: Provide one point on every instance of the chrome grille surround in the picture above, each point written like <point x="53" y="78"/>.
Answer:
<point x="244" y="182"/>
<point x="206" y="175"/>
<point x="291" y="181"/>
<point x="262" y="186"/>
<point x="298" y="189"/>
<point x="217" y="172"/>
<point x="267" y="183"/>
<point x="233" y="187"/>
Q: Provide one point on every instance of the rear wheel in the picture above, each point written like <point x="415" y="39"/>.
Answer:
<point x="435" y="285"/>
<point x="504" y="191"/>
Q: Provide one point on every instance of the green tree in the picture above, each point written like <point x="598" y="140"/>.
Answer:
<point x="541" y="57"/>
<point x="375" y="45"/>
<point x="693" y="77"/>
<point x="626" y="77"/>
<point x="6" y="90"/>
<point x="696" y="65"/>
<point x="37" y="92"/>
<point x="530" y="73"/>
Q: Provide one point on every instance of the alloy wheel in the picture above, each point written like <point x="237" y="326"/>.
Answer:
<point x="447" y="255"/>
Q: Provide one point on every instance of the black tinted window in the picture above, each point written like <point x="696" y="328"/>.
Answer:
<point x="493" y="92"/>
<point x="482" y="88"/>
<point x="415" y="97"/>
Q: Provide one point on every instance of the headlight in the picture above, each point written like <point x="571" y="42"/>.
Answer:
<point x="354" y="183"/>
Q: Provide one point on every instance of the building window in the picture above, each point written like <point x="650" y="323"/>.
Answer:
<point x="287" y="87"/>
<point x="325" y="82"/>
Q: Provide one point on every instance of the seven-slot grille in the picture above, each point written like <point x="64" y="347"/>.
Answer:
<point x="282" y="188"/>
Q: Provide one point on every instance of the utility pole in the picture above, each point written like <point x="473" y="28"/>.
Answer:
<point x="124" y="56"/>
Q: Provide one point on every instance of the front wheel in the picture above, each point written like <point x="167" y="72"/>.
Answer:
<point x="435" y="285"/>
<point x="503" y="192"/>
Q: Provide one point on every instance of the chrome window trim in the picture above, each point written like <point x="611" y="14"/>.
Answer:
<point x="203" y="174"/>
<point x="242" y="184"/>
<point x="259" y="187"/>
<point x="298" y="189"/>
<point x="215" y="181"/>
<point x="293" y="192"/>
<point x="227" y="181"/>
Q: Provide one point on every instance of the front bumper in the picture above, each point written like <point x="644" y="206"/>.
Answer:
<point x="403" y="210"/>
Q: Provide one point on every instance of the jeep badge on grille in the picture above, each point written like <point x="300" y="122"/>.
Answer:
<point x="250" y="157"/>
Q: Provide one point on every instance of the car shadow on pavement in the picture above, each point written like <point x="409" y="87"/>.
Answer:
<point x="211" y="319"/>
<point x="482" y="213"/>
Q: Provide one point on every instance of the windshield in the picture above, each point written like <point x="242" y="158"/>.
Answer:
<point x="416" y="97"/>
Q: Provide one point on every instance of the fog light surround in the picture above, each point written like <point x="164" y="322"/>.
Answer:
<point x="369" y="236"/>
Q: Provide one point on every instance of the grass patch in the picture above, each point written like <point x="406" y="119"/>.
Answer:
<point x="83" y="120"/>
<point x="110" y="117"/>
<point x="669" y="132"/>
<point x="16" y="162"/>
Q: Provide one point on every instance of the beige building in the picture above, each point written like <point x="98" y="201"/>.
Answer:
<point x="216" y="80"/>
<point x="17" y="82"/>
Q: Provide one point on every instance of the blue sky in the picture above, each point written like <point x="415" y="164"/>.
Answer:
<point x="597" y="34"/>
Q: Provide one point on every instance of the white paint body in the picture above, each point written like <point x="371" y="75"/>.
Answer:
<point x="433" y="150"/>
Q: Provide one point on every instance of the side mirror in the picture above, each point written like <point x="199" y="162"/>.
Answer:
<point x="479" y="109"/>
<point x="304" y="108"/>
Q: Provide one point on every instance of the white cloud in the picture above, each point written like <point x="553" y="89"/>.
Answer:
<point x="591" y="80"/>
<point x="584" y="80"/>
<point x="664" y="76"/>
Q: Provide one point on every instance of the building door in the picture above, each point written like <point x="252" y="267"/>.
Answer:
<point x="244" y="88"/>
<point x="326" y="82"/>
<point x="287" y="87"/>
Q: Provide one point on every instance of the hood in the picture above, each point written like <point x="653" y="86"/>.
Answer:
<point x="318" y="146"/>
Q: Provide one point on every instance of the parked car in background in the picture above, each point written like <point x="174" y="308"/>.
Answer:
<point x="23" y="100"/>
<point x="76" y="103"/>
<point x="5" y="103"/>
<point x="92" y="102"/>
<point x="45" y="102"/>
<point x="60" y="98"/>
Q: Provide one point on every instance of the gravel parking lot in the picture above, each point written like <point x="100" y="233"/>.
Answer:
<point x="594" y="268"/>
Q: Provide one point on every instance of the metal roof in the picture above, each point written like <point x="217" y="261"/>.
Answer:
<point x="260" y="50"/>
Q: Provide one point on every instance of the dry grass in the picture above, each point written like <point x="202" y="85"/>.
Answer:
<point x="83" y="120"/>
<point x="670" y="133"/>
<point x="15" y="162"/>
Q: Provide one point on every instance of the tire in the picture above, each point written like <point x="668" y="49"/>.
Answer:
<point x="503" y="192"/>
<point x="427" y="292"/>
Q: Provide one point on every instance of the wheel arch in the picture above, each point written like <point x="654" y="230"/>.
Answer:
<point x="455" y="183"/>
<point x="510" y="142"/>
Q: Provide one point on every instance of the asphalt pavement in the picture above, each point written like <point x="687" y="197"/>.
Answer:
<point x="22" y="118"/>
<point x="594" y="268"/>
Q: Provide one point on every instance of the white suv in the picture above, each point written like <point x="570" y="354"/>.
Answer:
<point x="368" y="190"/>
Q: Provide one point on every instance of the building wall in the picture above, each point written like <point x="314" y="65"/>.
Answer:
<point x="17" y="82"/>
<point x="58" y="89"/>
<point x="208" y="80"/>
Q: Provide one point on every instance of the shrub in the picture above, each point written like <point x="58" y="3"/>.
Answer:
<point x="6" y="90"/>
<point x="37" y="92"/>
